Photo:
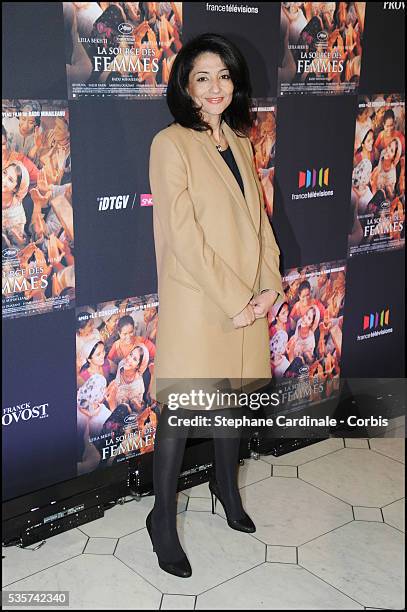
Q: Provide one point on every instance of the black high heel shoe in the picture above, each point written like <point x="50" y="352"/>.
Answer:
<point x="180" y="568"/>
<point x="244" y="524"/>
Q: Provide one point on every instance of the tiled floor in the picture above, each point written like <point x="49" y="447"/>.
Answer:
<point x="330" y="535"/>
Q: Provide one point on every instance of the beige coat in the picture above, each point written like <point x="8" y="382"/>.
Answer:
<point x="215" y="248"/>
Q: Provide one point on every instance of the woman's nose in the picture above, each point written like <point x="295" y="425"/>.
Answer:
<point x="214" y="88"/>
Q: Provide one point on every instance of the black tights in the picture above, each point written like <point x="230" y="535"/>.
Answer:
<point x="168" y="455"/>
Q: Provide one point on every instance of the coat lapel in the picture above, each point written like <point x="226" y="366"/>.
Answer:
<point x="250" y="201"/>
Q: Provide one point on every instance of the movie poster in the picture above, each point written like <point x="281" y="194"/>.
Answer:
<point x="121" y="49"/>
<point x="37" y="217"/>
<point x="306" y="334"/>
<point x="115" y="350"/>
<point x="377" y="221"/>
<point x="263" y="139"/>
<point x="321" y="46"/>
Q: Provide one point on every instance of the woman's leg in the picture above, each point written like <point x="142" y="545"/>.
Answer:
<point x="226" y="457"/>
<point x="169" y="450"/>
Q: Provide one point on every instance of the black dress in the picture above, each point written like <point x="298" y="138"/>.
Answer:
<point x="230" y="160"/>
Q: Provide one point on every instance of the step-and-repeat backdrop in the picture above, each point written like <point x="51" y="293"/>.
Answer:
<point x="84" y="87"/>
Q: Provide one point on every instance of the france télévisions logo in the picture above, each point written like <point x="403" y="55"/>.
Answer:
<point x="376" y="324"/>
<point x="376" y="319"/>
<point x="313" y="178"/>
<point x="312" y="183"/>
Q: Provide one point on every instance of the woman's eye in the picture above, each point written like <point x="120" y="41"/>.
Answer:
<point x="224" y="75"/>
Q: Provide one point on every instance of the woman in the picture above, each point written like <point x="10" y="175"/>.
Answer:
<point x="361" y="193"/>
<point x="384" y="176"/>
<point x="86" y="332"/>
<point x="217" y="264"/>
<point x="94" y="361"/>
<point x="365" y="151"/>
<point x="15" y="183"/>
<point x="129" y="377"/>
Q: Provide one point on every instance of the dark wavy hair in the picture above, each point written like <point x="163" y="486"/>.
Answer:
<point x="238" y="114"/>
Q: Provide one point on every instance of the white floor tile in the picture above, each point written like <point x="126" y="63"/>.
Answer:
<point x="275" y="587"/>
<point x="253" y="471"/>
<point x="286" y="471"/>
<point x="363" y="560"/>
<point x="199" y="504"/>
<point x="124" y="519"/>
<point x="395" y="514"/>
<point x="178" y="602"/>
<point x="281" y="554"/>
<point x="353" y="557"/>
<point x="101" y="546"/>
<point x="367" y="514"/>
<point x="358" y="476"/>
<point x="391" y="447"/>
<point x="95" y="583"/>
<point x="22" y="562"/>
<point x="215" y="552"/>
<point x="356" y="443"/>
<point x="289" y="512"/>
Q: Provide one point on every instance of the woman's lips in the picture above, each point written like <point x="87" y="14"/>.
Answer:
<point x="214" y="100"/>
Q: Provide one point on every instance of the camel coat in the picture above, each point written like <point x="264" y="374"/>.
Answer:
<point x="215" y="249"/>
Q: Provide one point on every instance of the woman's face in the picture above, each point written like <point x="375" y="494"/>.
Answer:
<point x="305" y="295"/>
<point x="388" y="126"/>
<point x="87" y="329"/>
<point x="27" y="125"/>
<point x="9" y="183"/>
<point x="132" y="360"/>
<point x="368" y="142"/>
<point x="308" y="317"/>
<point x="390" y="150"/>
<point x="283" y="316"/>
<point x="363" y="115"/>
<point x="210" y="84"/>
<point x="98" y="356"/>
<point x="126" y="333"/>
<point x="149" y="314"/>
<point x="321" y="279"/>
<point x="379" y="114"/>
<point x="61" y="130"/>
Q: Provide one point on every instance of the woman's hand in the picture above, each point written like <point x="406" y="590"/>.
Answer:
<point x="245" y="317"/>
<point x="263" y="302"/>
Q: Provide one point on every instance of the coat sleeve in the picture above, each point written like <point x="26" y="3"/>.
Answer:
<point x="270" y="277"/>
<point x="174" y="209"/>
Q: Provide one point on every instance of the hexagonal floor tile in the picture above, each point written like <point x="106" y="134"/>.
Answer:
<point x="275" y="587"/>
<point x="123" y="519"/>
<point x="104" y="583"/>
<point x="22" y="562"/>
<point x="358" y="476"/>
<point x="394" y="514"/>
<point x="289" y="512"/>
<point x="394" y="448"/>
<point x="363" y="560"/>
<point x="216" y="553"/>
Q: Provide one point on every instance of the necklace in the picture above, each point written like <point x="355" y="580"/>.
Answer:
<point x="218" y="145"/>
